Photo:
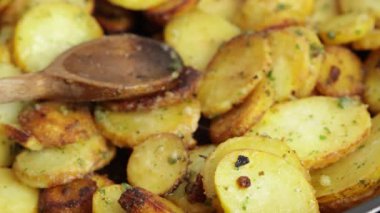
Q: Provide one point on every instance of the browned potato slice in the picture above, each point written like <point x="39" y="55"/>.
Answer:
<point x="233" y="73"/>
<point x="4" y="4"/>
<point x="101" y="180"/>
<point x="73" y="197"/>
<point x="370" y="42"/>
<point x="265" y="144"/>
<point x="105" y="200"/>
<point x="7" y="147"/>
<point x="135" y="200"/>
<point x="138" y="4"/>
<point x="254" y="181"/>
<point x="372" y="82"/>
<point x="158" y="164"/>
<point x="259" y="14"/>
<point x="5" y="56"/>
<point x="367" y="6"/>
<point x="324" y="10"/>
<point x="321" y="130"/>
<point x="128" y="129"/>
<point x="223" y="8"/>
<point x="57" y="124"/>
<point x="240" y="119"/>
<point x="353" y="178"/>
<point x="346" y="28"/>
<point x="55" y="166"/>
<point x="16" y="135"/>
<point x="341" y="73"/>
<point x="13" y="12"/>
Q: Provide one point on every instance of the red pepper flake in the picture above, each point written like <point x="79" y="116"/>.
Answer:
<point x="243" y="182"/>
<point x="333" y="75"/>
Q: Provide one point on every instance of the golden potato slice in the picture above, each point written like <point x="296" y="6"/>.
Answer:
<point x="57" y="124"/>
<point x="197" y="160"/>
<point x="354" y="177"/>
<point x="87" y="5"/>
<point x="369" y="42"/>
<point x="341" y="73"/>
<point x="16" y="197"/>
<point x="324" y="10"/>
<point x="254" y="181"/>
<point x="137" y="4"/>
<point x="265" y="144"/>
<point x="106" y="198"/>
<point x="135" y="200"/>
<point x="75" y="196"/>
<point x="164" y="158"/>
<point x="101" y="180"/>
<point x="233" y="73"/>
<point x="366" y="6"/>
<point x="346" y="28"/>
<point x="17" y="135"/>
<point x="5" y="55"/>
<point x="372" y="82"/>
<point x="224" y="8"/>
<point x="128" y="129"/>
<point x="321" y="130"/>
<point x="42" y="34"/>
<point x="55" y="166"/>
<point x="240" y="119"/>
<point x="197" y="35"/>
<point x="262" y="14"/>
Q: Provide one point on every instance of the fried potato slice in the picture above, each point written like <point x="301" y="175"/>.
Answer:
<point x="55" y="166"/>
<point x="7" y="147"/>
<point x="138" y="4"/>
<point x="137" y="199"/>
<point x="5" y="55"/>
<point x="4" y="4"/>
<point x="367" y="6"/>
<point x="240" y="119"/>
<point x="75" y="196"/>
<point x="324" y="10"/>
<point x="254" y="181"/>
<point x="372" y="82"/>
<point x="369" y="42"/>
<point x="341" y="73"/>
<point x="354" y="177"/>
<point x="106" y="198"/>
<point x="17" y="135"/>
<point x="197" y="35"/>
<point x="128" y="129"/>
<point x="259" y="14"/>
<point x="346" y="28"/>
<point x="321" y="130"/>
<point x="265" y="144"/>
<point x="233" y="73"/>
<point x="101" y="180"/>
<point x="158" y="164"/>
<point x="57" y="124"/>
<point x="38" y="39"/>
<point x="87" y="5"/>
<point x="16" y="197"/>
<point x="224" y="8"/>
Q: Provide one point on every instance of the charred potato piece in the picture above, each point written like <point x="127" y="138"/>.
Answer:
<point x="240" y="119"/>
<point x="324" y="10"/>
<point x="353" y="178"/>
<point x="16" y="135"/>
<point x="372" y="82"/>
<point x="158" y="164"/>
<point x="265" y="144"/>
<point x="223" y="8"/>
<point x="105" y="200"/>
<point x="232" y="74"/>
<point x="367" y="6"/>
<point x="369" y="42"/>
<point x="331" y="128"/>
<point x="74" y="197"/>
<point x="57" y="124"/>
<point x="341" y="73"/>
<point x="138" y="4"/>
<point x="254" y="181"/>
<point x="136" y="199"/>
<point x="197" y="35"/>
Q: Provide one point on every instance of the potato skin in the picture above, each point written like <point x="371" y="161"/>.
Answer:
<point x="74" y="197"/>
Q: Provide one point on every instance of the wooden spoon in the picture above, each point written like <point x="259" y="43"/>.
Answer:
<point x="113" y="67"/>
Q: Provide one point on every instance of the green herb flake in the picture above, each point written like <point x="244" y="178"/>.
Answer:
<point x="125" y="186"/>
<point x="331" y="35"/>
<point x="270" y="75"/>
<point x="281" y="7"/>
<point x="322" y="137"/>
<point x="343" y="102"/>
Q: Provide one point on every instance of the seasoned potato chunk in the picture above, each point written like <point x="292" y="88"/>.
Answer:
<point x="223" y="8"/>
<point x="320" y="129"/>
<point x="262" y="14"/>
<point x="346" y="28"/>
<point x="341" y="73"/>
<point x="87" y="5"/>
<point x="73" y="197"/>
<point x="106" y="198"/>
<point x="254" y="181"/>
<point x="324" y="10"/>
<point x="372" y="82"/>
<point x="7" y="147"/>
<point x="233" y="73"/>
<point x="16" y="197"/>
<point x="265" y="144"/>
<point x="369" y="42"/>
<point x="367" y="6"/>
<point x="38" y="39"/>
<point x="128" y="129"/>
<point x="55" y="166"/>
<point x="197" y="35"/>
<point x="137" y="4"/>
<point x="158" y="164"/>
<point x="353" y="178"/>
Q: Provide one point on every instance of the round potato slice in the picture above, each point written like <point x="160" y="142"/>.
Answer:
<point x="372" y="82"/>
<point x="16" y="197"/>
<point x="253" y="181"/>
<point x="321" y="130"/>
<point x="233" y="73"/>
<point x="106" y="199"/>
<point x="224" y="8"/>
<point x="346" y="28"/>
<point x="164" y="158"/>
<point x="265" y="144"/>
<point x="138" y="4"/>
<point x="367" y="6"/>
<point x="354" y="177"/>
<point x="87" y="5"/>
<point x="47" y="30"/>
<point x="341" y="73"/>
<point x="324" y="10"/>
<point x="370" y="42"/>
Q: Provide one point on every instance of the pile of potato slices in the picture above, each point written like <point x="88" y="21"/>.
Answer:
<point x="276" y="109"/>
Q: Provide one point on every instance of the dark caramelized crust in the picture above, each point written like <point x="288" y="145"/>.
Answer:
<point x="74" y="197"/>
<point x="195" y="192"/>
